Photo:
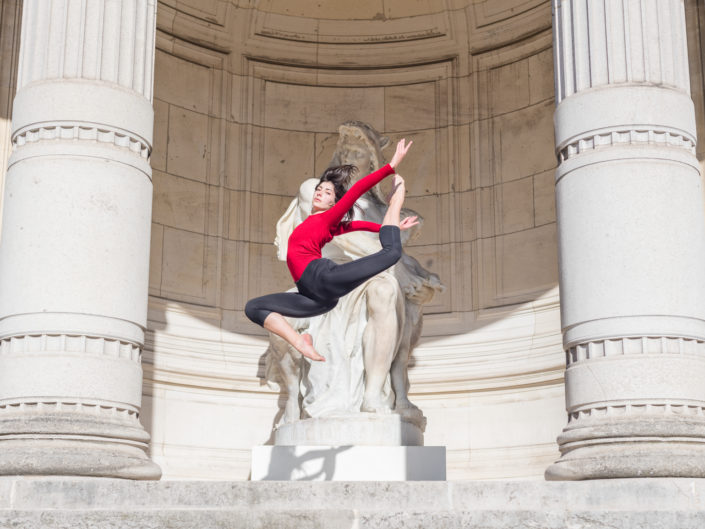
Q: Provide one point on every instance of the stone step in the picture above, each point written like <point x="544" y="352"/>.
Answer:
<point x="106" y="503"/>
<point x="349" y="519"/>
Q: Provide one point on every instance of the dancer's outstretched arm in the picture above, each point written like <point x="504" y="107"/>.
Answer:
<point x="391" y="217"/>
<point x="338" y="211"/>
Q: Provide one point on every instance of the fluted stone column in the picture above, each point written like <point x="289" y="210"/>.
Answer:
<point x="631" y="242"/>
<point x="75" y="244"/>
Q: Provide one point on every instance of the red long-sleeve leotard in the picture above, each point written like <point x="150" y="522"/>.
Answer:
<point x="312" y="234"/>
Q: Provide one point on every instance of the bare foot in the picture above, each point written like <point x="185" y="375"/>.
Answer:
<point x="375" y="406"/>
<point x="405" y="404"/>
<point x="305" y="347"/>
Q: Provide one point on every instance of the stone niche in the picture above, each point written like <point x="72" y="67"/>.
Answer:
<point x="248" y="97"/>
<point x="248" y="100"/>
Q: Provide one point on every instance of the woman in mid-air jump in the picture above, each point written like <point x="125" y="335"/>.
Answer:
<point x="320" y="281"/>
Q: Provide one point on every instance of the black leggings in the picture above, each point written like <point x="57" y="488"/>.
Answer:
<point x="324" y="282"/>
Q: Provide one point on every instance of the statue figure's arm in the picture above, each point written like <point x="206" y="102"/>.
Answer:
<point x="285" y="225"/>
<point x="295" y="214"/>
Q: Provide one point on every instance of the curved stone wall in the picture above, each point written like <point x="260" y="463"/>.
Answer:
<point x="248" y="101"/>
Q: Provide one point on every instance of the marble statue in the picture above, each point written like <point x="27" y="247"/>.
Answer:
<point x="368" y="337"/>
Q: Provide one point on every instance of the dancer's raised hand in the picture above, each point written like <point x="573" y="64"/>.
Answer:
<point x="408" y="222"/>
<point x="402" y="149"/>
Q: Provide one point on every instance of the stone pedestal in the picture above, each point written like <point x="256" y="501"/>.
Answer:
<point x="364" y="429"/>
<point x="348" y="463"/>
<point x="354" y="447"/>
<point x="631" y="239"/>
<point x="75" y="242"/>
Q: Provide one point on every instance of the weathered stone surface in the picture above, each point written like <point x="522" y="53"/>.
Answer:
<point x="368" y="429"/>
<point x="103" y="503"/>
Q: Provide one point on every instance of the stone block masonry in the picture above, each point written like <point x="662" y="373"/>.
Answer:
<point x="656" y="503"/>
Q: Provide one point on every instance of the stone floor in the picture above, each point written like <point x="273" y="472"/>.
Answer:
<point x="106" y="503"/>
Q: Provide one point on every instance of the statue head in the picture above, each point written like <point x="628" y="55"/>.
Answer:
<point x="360" y="145"/>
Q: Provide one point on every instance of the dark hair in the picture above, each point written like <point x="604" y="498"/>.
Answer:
<point x="340" y="176"/>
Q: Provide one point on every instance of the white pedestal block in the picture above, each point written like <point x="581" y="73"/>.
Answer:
<point x="348" y="463"/>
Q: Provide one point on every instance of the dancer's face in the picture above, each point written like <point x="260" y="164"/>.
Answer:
<point x="323" y="197"/>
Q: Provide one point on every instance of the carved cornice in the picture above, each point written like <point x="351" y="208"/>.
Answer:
<point x="495" y="25"/>
<point x="82" y="131"/>
<point x="634" y="346"/>
<point x="205" y="29"/>
<point x="636" y="409"/>
<point x="48" y="406"/>
<point x="321" y="31"/>
<point x="623" y="137"/>
<point x="64" y="343"/>
<point x="206" y="13"/>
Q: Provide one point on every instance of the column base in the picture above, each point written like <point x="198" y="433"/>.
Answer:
<point x="673" y="447"/>
<point x="630" y="460"/>
<point x="71" y="443"/>
<point x="366" y="429"/>
<point x="62" y="457"/>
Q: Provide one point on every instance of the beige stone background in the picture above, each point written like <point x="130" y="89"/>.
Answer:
<point x="248" y="98"/>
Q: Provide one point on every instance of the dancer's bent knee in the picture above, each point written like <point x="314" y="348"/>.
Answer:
<point x="256" y="313"/>
<point x="289" y="304"/>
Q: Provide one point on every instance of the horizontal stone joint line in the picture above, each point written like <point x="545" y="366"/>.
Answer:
<point x="320" y="38"/>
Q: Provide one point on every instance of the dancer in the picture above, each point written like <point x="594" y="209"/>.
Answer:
<point x="320" y="281"/>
